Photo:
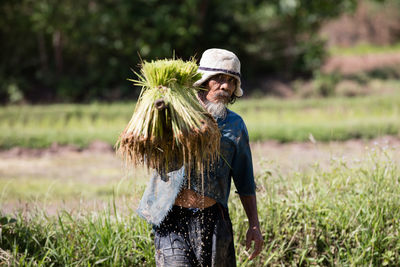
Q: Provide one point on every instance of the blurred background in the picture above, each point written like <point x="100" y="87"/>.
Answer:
<point x="83" y="51"/>
<point x="321" y="79"/>
<point x="321" y="102"/>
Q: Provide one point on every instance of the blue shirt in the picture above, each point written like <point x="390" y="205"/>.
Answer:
<point x="234" y="162"/>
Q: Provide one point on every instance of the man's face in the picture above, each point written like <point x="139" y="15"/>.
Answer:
<point x="221" y="88"/>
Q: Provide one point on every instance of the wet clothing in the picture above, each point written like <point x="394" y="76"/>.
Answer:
<point x="195" y="237"/>
<point x="160" y="195"/>
<point x="235" y="161"/>
<point x="187" y="237"/>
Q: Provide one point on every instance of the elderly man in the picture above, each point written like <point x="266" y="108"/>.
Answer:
<point x="190" y="217"/>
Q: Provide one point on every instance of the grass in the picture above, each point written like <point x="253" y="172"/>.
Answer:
<point x="32" y="189"/>
<point x="325" y="119"/>
<point x="40" y="126"/>
<point x="267" y="119"/>
<point x="364" y="49"/>
<point x="68" y="178"/>
<point x="345" y="214"/>
<point x="102" y="238"/>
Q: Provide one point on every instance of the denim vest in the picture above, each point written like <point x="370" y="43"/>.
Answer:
<point x="234" y="162"/>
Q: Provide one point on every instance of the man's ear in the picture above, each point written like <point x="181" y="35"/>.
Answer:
<point x="201" y="94"/>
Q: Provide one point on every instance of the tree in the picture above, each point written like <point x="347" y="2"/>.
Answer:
<point x="74" y="50"/>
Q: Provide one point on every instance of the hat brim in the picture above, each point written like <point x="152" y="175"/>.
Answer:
<point x="206" y="75"/>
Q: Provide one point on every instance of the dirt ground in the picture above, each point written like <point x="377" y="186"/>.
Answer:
<point x="66" y="178"/>
<point x="349" y="64"/>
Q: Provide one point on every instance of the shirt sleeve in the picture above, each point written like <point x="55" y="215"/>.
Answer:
<point x="242" y="165"/>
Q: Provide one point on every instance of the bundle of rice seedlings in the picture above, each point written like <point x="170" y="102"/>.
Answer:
<point x="169" y="127"/>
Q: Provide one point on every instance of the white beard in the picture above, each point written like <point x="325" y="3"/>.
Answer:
<point x="217" y="110"/>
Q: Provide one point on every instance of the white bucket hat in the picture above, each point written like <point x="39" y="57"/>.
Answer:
<point x="219" y="61"/>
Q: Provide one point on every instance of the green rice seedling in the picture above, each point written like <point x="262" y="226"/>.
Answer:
<point x="169" y="128"/>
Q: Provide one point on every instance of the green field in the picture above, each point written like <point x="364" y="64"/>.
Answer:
<point x="266" y="118"/>
<point x="346" y="214"/>
<point x="364" y="49"/>
<point x="78" y="209"/>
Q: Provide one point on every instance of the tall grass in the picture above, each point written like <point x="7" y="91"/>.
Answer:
<point x="277" y="119"/>
<point x="102" y="238"/>
<point x="344" y="215"/>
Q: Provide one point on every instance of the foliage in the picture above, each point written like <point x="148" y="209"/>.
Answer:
<point x="102" y="239"/>
<point x="282" y="36"/>
<point x="374" y="23"/>
<point x="325" y="83"/>
<point x="344" y="214"/>
<point x="74" y="50"/>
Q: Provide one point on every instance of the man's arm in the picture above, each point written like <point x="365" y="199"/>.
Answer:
<point x="253" y="233"/>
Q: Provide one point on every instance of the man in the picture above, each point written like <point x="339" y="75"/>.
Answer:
<point x="190" y="216"/>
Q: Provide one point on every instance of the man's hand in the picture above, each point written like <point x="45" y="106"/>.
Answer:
<point x="254" y="234"/>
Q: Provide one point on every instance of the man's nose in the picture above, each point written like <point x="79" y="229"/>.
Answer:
<point x="223" y="85"/>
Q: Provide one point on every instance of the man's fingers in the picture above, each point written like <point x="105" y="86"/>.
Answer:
<point x="254" y="235"/>
<point x="259" y="245"/>
<point x="248" y="242"/>
<point x="257" y="249"/>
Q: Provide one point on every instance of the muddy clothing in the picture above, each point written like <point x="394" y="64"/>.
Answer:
<point x="195" y="237"/>
<point x="235" y="162"/>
